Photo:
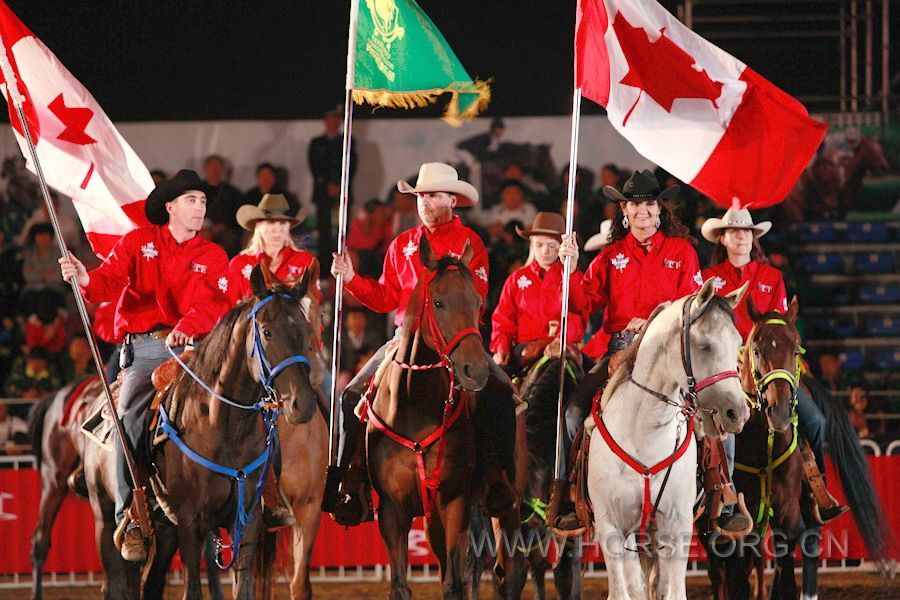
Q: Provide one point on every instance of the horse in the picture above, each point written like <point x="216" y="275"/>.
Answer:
<point x="418" y="424"/>
<point x="539" y="390"/>
<point x="304" y="457"/>
<point x="212" y="448"/>
<point x="648" y="406"/>
<point x="769" y="469"/>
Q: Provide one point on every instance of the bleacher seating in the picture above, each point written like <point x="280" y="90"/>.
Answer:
<point x="883" y="326"/>
<point x="867" y="232"/>
<point x="880" y="294"/>
<point x="853" y="360"/>
<point x="874" y="262"/>
<point x="826" y="263"/>
<point x="815" y="232"/>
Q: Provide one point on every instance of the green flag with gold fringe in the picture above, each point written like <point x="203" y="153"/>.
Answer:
<point x="403" y="61"/>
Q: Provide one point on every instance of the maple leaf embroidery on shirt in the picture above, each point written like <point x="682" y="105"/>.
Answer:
<point x="149" y="251"/>
<point x="620" y="262"/>
<point x="223" y="284"/>
<point x="718" y="283"/>
<point x="661" y="68"/>
<point x="481" y="272"/>
<point x="409" y="249"/>
<point x="523" y="282"/>
<point x="698" y="278"/>
<point x="246" y="271"/>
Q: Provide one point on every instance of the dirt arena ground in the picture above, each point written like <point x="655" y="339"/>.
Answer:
<point x="833" y="586"/>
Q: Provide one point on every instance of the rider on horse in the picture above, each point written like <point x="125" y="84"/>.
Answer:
<point x="649" y="260"/>
<point x="438" y="190"/>
<point x="170" y="286"/>
<point x="271" y="224"/>
<point x="527" y="314"/>
<point x="738" y="259"/>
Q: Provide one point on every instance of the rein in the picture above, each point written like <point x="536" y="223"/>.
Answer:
<point x="453" y="406"/>
<point x="269" y="408"/>
<point x="689" y="408"/>
<point x="761" y="382"/>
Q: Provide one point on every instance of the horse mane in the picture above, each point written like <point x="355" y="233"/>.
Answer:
<point x="207" y="362"/>
<point x="628" y="356"/>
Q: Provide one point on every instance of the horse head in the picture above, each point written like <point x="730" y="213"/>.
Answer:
<point x="282" y="345"/>
<point x="450" y="311"/>
<point x="771" y="364"/>
<point x="710" y="343"/>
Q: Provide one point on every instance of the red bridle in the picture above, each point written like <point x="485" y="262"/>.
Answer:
<point x="453" y="406"/>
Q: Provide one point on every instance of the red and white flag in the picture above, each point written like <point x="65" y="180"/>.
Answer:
<point x="81" y="152"/>
<point x="689" y="107"/>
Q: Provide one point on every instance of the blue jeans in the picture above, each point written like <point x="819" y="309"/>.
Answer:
<point x="134" y="396"/>
<point x="811" y="423"/>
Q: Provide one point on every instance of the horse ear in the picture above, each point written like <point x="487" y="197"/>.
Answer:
<point x="300" y="288"/>
<point x="735" y="297"/>
<point x="467" y="254"/>
<point x="706" y="293"/>
<point x="258" y="282"/>
<point x="793" y="309"/>
<point x="752" y="311"/>
<point x="426" y="255"/>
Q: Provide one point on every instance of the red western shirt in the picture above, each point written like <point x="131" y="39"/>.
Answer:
<point x="766" y="289"/>
<point x="631" y="280"/>
<point x="402" y="266"/>
<point x="158" y="282"/>
<point x="530" y="299"/>
<point x="293" y="264"/>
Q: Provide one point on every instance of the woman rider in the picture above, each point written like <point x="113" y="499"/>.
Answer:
<point x="737" y="259"/>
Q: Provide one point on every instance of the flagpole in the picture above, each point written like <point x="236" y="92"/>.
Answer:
<point x="559" y="483"/>
<point x="342" y="234"/>
<point x="12" y="89"/>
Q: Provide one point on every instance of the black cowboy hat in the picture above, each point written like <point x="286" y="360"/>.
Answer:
<point x="183" y="181"/>
<point x="641" y="187"/>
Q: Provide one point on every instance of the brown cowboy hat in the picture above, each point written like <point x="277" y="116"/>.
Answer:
<point x="440" y="177"/>
<point x="272" y="207"/>
<point x="545" y="223"/>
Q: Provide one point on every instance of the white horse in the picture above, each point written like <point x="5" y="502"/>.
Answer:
<point x="642" y="440"/>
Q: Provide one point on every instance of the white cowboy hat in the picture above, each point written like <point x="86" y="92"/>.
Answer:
<point x="599" y="240"/>
<point x="734" y="218"/>
<point x="272" y="207"/>
<point x="440" y="177"/>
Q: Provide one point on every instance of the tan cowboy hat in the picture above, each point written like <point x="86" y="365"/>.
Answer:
<point x="734" y="218"/>
<point x="600" y="240"/>
<point x="545" y="223"/>
<point x="440" y="177"/>
<point x="272" y="207"/>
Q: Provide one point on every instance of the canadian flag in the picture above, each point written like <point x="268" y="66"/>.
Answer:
<point x="689" y="107"/>
<point x="81" y="153"/>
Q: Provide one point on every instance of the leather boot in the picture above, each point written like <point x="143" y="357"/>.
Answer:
<point x="354" y="503"/>
<point x="277" y="511"/>
<point x="825" y="506"/>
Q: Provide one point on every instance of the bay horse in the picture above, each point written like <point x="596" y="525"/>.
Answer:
<point x="420" y="439"/>
<point x="304" y="457"/>
<point x="216" y="448"/>
<point x="769" y="469"/>
<point x="642" y="440"/>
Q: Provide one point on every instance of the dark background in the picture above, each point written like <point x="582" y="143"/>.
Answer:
<point x="286" y="60"/>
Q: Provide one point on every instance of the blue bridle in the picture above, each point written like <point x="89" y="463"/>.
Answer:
<point x="268" y="408"/>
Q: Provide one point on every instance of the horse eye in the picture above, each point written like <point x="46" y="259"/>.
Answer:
<point x="438" y="304"/>
<point x="267" y="334"/>
<point x="706" y="348"/>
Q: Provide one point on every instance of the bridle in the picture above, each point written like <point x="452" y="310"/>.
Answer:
<point x="426" y="314"/>
<point x="762" y="381"/>
<point x="694" y="387"/>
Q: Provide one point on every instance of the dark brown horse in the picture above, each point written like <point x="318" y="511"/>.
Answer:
<point x="420" y="440"/>
<point x="224" y="428"/>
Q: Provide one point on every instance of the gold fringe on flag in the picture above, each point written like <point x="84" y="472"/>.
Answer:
<point x="423" y="98"/>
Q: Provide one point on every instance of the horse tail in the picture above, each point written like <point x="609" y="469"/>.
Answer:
<point x="856" y="479"/>
<point x="36" y="419"/>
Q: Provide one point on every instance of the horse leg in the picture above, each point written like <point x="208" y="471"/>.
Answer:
<point x="190" y="544"/>
<point x="809" y="550"/>
<point x="264" y="566"/>
<point x="480" y="541"/>
<point x="511" y="566"/>
<point x="115" y="586"/>
<point x="538" y="568"/>
<point x="671" y="559"/>
<point x="243" y="566"/>
<point x="53" y="492"/>
<point x="612" y="543"/>
<point x="308" y="518"/>
<point x="394" y="524"/>
<point x="567" y="573"/>
<point x="166" y="546"/>
<point x="213" y="573"/>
